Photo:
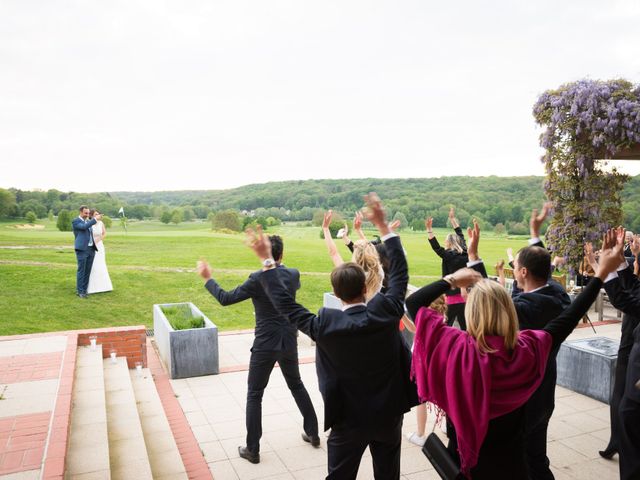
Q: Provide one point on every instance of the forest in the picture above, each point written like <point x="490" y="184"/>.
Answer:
<point x="499" y="203"/>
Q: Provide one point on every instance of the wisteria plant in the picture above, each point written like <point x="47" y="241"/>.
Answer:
<point x="586" y="122"/>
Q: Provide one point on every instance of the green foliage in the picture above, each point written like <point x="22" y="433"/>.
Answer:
<point x="228" y="219"/>
<point x="106" y="219"/>
<point x="64" y="221"/>
<point x="499" y="229"/>
<point x="517" y="228"/>
<point x="180" y="317"/>
<point x="7" y="202"/>
<point x="418" y="225"/>
<point x="50" y="216"/>
<point x="30" y="217"/>
<point x="334" y="227"/>
<point x="176" y="216"/>
<point x="585" y="121"/>
<point x="165" y="217"/>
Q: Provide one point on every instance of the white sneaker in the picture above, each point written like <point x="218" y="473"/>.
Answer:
<point x="416" y="439"/>
<point x="443" y="426"/>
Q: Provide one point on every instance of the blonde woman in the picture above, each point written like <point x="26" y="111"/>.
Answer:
<point x="482" y="378"/>
<point x="454" y="257"/>
<point x="364" y="254"/>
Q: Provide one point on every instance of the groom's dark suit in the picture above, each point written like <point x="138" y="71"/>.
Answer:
<point x="85" y="251"/>
<point x="363" y="370"/>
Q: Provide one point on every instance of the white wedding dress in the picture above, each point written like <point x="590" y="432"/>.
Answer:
<point x="99" y="280"/>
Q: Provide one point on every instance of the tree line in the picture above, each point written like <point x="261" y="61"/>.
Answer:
<point x="499" y="203"/>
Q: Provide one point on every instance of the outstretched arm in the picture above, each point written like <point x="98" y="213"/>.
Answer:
<point x="423" y="297"/>
<point x="331" y="246"/>
<point x="433" y="241"/>
<point x="238" y="294"/>
<point x="610" y="257"/>
<point x="536" y="222"/>
<point x="81" y="225"/>
<point x="357" y="225"/>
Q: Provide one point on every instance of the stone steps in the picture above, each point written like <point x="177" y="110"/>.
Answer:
<point x="128" y="455"/>
<point x="164" y="457"/>
<point x="88" y="450"/>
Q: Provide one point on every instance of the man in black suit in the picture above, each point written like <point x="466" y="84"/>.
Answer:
<point x="361" y="360"/>
<point x="623" y="289"/>
<point x="627" y="280"/>
<point x="275" y="341"/>
<point x="538" y="300"/>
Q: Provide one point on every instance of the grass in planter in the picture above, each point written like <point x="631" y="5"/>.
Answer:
<point x="180" y="317"/>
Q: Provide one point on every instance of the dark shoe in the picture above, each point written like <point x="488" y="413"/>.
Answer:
<point x="608" y="453"/>
<point x="313" y="440"/>
<point x="247" y="454"/>
<point x="82" y="295"/>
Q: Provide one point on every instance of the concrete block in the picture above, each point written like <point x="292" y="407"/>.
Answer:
<point x="587" y="366"/>
<point x="186" y="353"/>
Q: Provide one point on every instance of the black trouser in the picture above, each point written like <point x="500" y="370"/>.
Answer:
<point x="629" y="420"/>
<point x="85" y="261"/>
<point x="260" y="367"/>
<point x="456" y="312"/>
<point x="620" y="376"/>
<point x="347" y="444"/>
<point x="537" y="413"/>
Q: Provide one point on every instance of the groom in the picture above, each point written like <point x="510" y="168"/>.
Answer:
<point x="85" y="248"/>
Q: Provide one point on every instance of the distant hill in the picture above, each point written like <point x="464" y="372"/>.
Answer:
<point x="506" y="200"/>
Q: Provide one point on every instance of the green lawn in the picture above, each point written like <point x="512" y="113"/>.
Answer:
<point x="154" y="263"/>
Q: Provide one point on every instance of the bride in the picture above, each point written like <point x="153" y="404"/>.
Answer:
<point x="99" y="280"/>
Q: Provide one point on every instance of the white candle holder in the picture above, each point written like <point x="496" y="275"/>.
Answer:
<point x="139" y="369"/>
<point x="93" y="340"/>
<point x="113" y="356"/>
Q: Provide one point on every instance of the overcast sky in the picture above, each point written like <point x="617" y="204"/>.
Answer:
<point x="172" y="95"/>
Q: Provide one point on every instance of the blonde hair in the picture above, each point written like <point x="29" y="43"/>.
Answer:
<point x="439" y="305"/>
<point x="490" y="311"/>
<point x="454" y="242"/>
<point x="366" y="255"/>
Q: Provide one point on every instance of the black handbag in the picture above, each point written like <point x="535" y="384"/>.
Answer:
<point x="441" y="459"/>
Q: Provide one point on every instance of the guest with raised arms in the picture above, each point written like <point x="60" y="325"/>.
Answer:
<point x="364" y="254"/>
<point x="483" y="378"/>
<point x="538" y="300"/>
<point x="454" y="257"/>
<point x="623" y="291"/>
<point x="361" y="361"/>
<point x="275" y="341"/>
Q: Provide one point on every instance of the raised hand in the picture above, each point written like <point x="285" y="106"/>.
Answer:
<point x="611" y="255"/>
<point x="510" y="254"/>
<point x="465" y="277"/>
<point x="428" y="224"/>
<point x="357" y="221"/>
<point x="500" y="267"/>
<point x="474" y="239"/>
<point x="452" y="218"/>
<point x="635" y="245"/>
<point x="203" y="269"/>
<point x="326" y="221"/>
<point x="258" y="242"/>
<point x="374" y="211"/>
<point x="393" y="226"/>
<point x="538" y="218"/>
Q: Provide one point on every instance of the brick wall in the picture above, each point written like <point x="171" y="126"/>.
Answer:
<point x="130" y="342"/>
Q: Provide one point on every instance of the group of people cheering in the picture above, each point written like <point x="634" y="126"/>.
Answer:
<point x="493" y="378"/>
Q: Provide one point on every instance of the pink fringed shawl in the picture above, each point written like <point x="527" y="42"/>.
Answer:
<point x="473" y="388"/>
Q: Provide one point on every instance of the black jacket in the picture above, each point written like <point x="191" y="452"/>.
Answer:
<point x="362" y="363"/>
<point x="273" y="331"/>
<point x="452" y="261"/>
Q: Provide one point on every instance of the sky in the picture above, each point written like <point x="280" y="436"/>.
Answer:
<point x="142" y="95"/>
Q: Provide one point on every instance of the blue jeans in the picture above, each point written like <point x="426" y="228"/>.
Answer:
<point x="85" y="261"/>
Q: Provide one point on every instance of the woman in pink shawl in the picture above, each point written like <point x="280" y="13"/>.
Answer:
<point x="481" y="378"/>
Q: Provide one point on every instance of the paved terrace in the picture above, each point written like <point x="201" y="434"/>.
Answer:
<point x="208" y="412"/>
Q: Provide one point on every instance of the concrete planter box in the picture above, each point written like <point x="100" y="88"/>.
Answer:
<point x="587" y="366"/>
<point x="186" y="353"/>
